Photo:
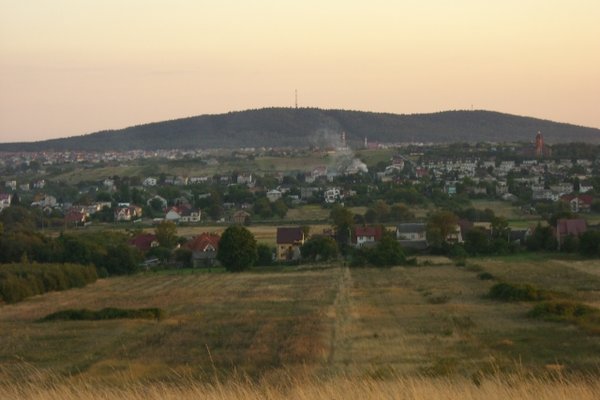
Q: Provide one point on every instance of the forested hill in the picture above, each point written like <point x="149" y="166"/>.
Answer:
<point x="275" y="127"/>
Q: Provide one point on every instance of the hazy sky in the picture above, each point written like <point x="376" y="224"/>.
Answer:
<point x="70" y="67"/>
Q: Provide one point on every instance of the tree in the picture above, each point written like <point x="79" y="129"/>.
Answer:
<point x="542" y="239"/>
<point x="343" y="221"/>
<point x="305" y="230"/>
<point x="262" y="207"/>
<point x="477" y="241"/>
<point x="120" y="259"/>
<point x="319" y="248"/>
<point x="156" y="204"/>
<point x="382" y="210"/>
<point x="589" y="243"/>
<point x="184" y="256"/>
<point x="279" y="208"/>
<point x="215" y="209"/>
<point x="166" y="234"/>
<point x="387" y="252"/>
<point x="400" y="212"/>
<point x="264" y="255"/>
<point x="439" y="225"/>
<point x="370" y="216"/>
<point x="500" y="228"/>
<point x="237" y="249"/>
<point x="17" y="218"/>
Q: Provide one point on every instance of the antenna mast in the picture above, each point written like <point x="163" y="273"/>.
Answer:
<point x="296" y="94"/>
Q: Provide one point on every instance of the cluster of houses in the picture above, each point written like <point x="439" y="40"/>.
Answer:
<point x="546" y="180"/>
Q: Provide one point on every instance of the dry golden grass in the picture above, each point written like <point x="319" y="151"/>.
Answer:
<point x="337" y="388"/>
<point x="356" y="333"/>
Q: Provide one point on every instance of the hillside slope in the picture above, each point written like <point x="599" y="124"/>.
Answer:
<point x="301" y="127"/>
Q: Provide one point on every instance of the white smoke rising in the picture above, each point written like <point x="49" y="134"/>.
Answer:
<point x="343" y="160"/>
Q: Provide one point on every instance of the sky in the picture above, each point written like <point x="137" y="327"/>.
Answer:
<point x="70" y="67"/>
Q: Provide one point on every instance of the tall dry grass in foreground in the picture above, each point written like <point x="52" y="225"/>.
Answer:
<point x="337" y="388"/>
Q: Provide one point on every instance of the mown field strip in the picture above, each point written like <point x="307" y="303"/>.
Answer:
<point x="428" y="320"/>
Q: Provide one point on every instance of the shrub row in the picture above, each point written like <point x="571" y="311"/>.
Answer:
<point x="104" y="314"/>
<point x="512" y="292"/>
<point x="566" y="311"/>
<point x="19" y="281"/>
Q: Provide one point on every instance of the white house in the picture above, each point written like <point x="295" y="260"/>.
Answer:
<point x="245" y="179"/>
<point x="274" y="195"/>
<point x="191" y="216"/>
<point x="150" y="181"/>
<point x="5" y="199"/>
<point x="173" y="215"/>
<point x="332" y="195"/>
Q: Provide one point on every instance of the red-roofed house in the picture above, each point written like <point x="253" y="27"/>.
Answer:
<point x="75" y="218"/>
<point x="289" y="240"/>
<point x="364" y="235"/>
<point x="578" y="202"/>
<point x="566" y="227"/>
<point x="144" y="242"/>
<point x="204" y="249"/>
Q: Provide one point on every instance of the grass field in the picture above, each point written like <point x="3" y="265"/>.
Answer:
<point x="381" y="329"/>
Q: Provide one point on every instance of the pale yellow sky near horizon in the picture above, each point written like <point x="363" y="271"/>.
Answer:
<point x="69" y="67"/>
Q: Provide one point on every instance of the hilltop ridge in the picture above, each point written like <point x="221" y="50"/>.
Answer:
<point x="281" y="127"/>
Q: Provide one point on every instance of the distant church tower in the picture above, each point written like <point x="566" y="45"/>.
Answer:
<point x="366" y="143"/>
<point x="539" y="145"/>
<point x="343" y="138"/>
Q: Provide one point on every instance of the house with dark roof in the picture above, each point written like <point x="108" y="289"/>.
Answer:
<point x="412" y="235"/>
<point x="144" y="242"/>
<point x="204" y="249"/>
<point x="240" y="217"/>
<point x="366" y="235"/>
<point x="289" y="240"/>
<point x="569" y="227"/>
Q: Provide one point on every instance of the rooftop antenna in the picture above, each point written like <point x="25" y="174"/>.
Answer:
<point x="296" y="93"/>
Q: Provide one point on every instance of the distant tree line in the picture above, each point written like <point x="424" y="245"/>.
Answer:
<point x="107" y="250"/>
<point x="21" y="280"/>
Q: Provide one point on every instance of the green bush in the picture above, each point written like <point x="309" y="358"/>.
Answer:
<point x="559" y="310"/>
<point x="582" y="315"/>
<point x="485" y="276"/>
<point x="104" y="314"/>
<point x="511" y="292"/>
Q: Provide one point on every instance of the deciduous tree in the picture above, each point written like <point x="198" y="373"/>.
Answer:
<point x="237" y="249"/>
<point x="166" y="234"/>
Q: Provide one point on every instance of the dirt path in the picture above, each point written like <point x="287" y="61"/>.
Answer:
<point x="340" y="312"/>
